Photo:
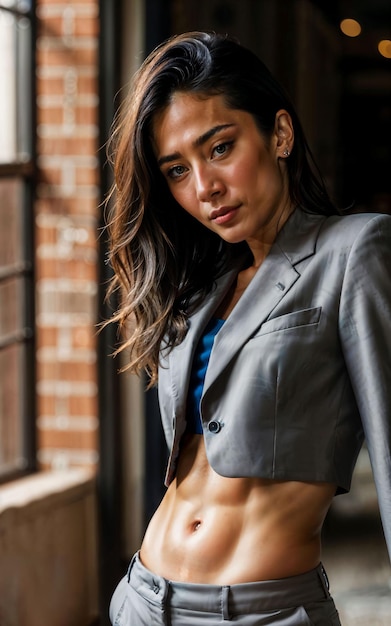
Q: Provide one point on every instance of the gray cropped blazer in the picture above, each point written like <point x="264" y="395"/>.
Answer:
<point x="300" y="372"/>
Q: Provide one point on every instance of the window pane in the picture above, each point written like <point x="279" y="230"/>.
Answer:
<point x="8" y="149"/>
<point x="16" y="289"/>
<point x="20" y="5"/>
<point x="14" y="87"/>
<point x="11" y="306"/>
<point x="11" y="207"/>
<point x="11" y="408"/>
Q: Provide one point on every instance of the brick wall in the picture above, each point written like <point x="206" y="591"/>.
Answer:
<point x="66" y="232"/>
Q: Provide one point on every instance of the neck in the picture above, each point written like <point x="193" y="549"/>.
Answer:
<point x="261" y="246"/>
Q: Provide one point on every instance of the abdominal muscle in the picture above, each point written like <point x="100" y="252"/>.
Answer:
<point x="217" y="530"/>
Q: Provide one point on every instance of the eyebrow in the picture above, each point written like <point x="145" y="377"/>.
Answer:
<point x="197" y="143"/>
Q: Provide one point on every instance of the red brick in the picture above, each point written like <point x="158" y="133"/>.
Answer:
<point x="52" y="235"/>
<point x="44" y="467"/>
<point x="46" y="405"/>
<point x="68" y="268"/>
<point x="87" y="176"/>
<point x="84" y="440"/>
<point x="54" y="54"/>
<point x="86" y="27"/>
<point x="71" y="372"/>
<point x="67" y="57"/>
<point x="50" y="86"/>
<point x="49" y="26"/>
<point x="82" y="26"/>
<point x="46" y="337"/>
<point x="84" y="337"/>
<point x="54" y="86"/>
<point x="50" y="115"/>
<point x="55" y="115"/>
<point x="49" y="175"/>
<point x="81" y="337"/>
<point x="78" y="146"/>
<point x="83" y="175"/>
<point x="83" y="405"/>
<point x="87" y="85"/>
<point x="77" y="405"/>
<point x="45" y="235"/>
<point x="68" y="206"/>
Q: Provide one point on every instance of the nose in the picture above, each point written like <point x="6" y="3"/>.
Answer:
<point x="208" y="183"/>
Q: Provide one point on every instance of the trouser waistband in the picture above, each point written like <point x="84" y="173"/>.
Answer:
<point x="265" y="595"/>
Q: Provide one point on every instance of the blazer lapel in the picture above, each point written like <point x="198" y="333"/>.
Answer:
<point x="180" y="360"/>
<point x="295" y="242"/>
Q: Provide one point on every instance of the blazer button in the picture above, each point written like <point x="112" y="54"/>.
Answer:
<point x="214" y="427"/>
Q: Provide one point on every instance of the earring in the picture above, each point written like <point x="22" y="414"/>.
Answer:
<point x="286" y="152"/>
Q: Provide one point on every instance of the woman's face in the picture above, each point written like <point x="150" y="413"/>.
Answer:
<point x="221" y="170"/>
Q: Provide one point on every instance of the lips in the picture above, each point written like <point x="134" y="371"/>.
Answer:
<point x="223" y="214"/>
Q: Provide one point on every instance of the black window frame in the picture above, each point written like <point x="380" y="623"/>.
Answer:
<point x="23" y="169"/>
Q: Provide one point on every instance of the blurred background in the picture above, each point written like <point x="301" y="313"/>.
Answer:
<point x="81" y="450"/>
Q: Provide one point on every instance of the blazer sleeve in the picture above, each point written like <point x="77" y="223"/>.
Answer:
<point x="365" y="332"/>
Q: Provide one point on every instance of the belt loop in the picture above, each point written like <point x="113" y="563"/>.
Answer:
<point x="324" y="580"/>
<point x="225" y="603"/>
<point x="131" y="566"/>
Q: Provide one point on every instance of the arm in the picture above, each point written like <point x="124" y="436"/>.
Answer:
<point x="365" y="331"/>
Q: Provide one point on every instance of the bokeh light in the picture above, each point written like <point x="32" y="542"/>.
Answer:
<point x="350" y="27"/>
<point x="384" y="48"/>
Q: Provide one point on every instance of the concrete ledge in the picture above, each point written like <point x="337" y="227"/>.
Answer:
<point x="44" y="489"/>
<point x="48" y="547"/>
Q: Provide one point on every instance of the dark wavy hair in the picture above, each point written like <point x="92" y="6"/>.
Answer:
<point x="164" y="261"/>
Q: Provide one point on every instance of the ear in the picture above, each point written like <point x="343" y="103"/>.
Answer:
<point x="283" y="134"/>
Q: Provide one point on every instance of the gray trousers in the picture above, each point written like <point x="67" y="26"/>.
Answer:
<point x="144" y="599"/>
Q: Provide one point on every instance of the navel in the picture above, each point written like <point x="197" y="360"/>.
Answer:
<point x="196" y="525"/>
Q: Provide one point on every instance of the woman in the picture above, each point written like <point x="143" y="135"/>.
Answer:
<point x="264" y="316"/>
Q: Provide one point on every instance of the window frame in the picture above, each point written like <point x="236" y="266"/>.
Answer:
<point x="24" y="170"/>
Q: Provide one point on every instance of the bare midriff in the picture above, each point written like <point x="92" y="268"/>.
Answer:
<point x="216" y="530"/>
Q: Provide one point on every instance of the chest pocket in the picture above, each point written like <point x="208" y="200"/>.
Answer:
<point x="305" y="317"/>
